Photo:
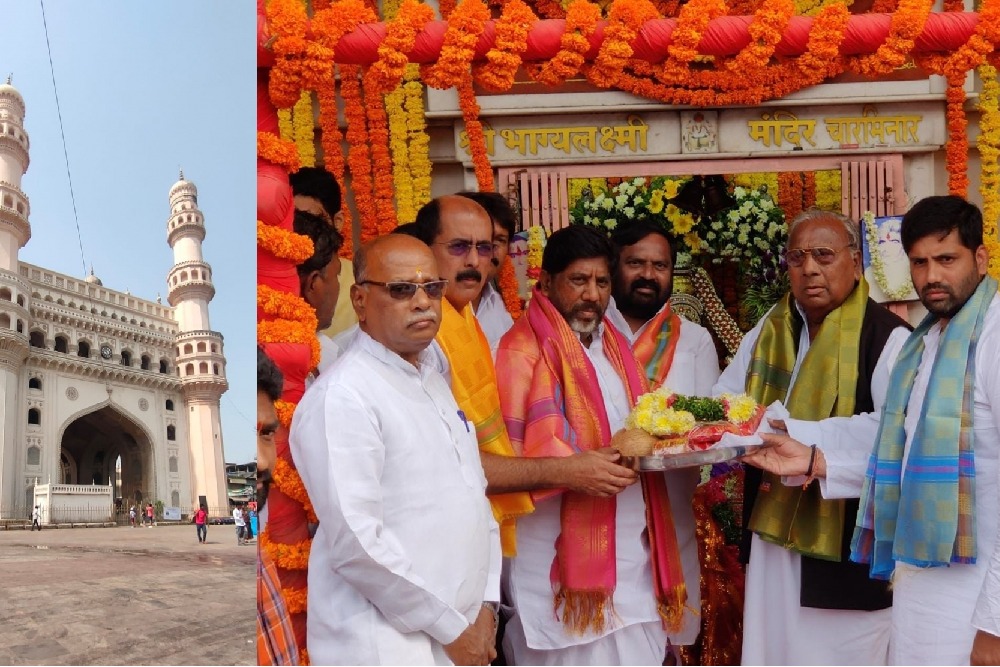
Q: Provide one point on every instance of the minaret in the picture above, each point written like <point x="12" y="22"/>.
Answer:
<point x="15" y="293"/>
<point x="201" y="365"/>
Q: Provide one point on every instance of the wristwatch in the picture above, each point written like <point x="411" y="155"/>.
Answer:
<point x="495" y="608"/>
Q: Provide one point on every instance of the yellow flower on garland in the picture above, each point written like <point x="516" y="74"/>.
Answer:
<point x="303" y="131"/>
<point x="656" y="202"/>
<point x="989" y="152"/>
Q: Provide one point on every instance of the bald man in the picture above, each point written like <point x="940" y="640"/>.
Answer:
<point x="389" y="459"/>
<point x="459" y="232"/>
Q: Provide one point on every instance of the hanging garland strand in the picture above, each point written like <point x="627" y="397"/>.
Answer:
<point x="989" y="154"/>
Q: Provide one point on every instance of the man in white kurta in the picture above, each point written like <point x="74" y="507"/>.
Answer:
<point x="777" y="628"/>
<point x="643" y="285"/>
<point x="492" y="315"/>
<point x="407" y="550"/>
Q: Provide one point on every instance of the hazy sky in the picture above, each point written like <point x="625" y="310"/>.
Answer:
<point x="145" y="88"/>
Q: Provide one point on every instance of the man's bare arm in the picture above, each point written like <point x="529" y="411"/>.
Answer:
<point x="595" y="473"/>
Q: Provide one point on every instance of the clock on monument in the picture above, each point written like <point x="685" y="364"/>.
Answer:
<point x="106" y="351"/>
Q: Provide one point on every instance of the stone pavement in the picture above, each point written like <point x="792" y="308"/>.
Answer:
<point x="127" y="596"/>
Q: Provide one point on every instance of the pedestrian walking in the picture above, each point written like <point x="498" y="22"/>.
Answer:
<point x="149" y="514"/>
<point x="131" y="515"/>
<point x="241" y="525"/>
<point x="201" y="524"/>
<point x="36" y="518"/>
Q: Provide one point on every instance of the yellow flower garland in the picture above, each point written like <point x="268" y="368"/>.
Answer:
<point x="303" y="130"/>
<point x="419" y="141"/>
<point x="828" y="194"/>
<point x="285" y="129"/>
<point x="989" y="152"/>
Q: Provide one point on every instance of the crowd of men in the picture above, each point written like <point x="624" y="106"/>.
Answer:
<point x="459" y="461"/>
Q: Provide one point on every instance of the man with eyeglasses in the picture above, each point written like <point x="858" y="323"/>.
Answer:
<point x="823" y="351"/>
<point x="460" y="234"/>
<point x="597" y="579"/>
<point x="929" y="513"/>
<point x="674" y="352"/>
<point x="407" y="551"/>
<point x="488" y="305"/>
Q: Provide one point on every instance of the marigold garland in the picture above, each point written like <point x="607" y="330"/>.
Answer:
<point x="393" y="51"/>
<point x="983" y="41"/>
<point x="828" y="190"/>
<point x="284" y="243"/>
<point x="989" y="156"/>
<point x="465" y="25"/>
<point x="581" y="22"/>
<point x="809" y="190"/>
<point x="286" y="556"/>
<point x="358" y="156"/>
<point x="285" y="410"/>
<point x="274" y="149"/>
<point x="624" y="23"/>
<point x="419" y="141"/>
<point x="957" y="149"/>
<point x="509" y="289"/>
<point x="285" y="129"/>
<point x="287" y="478"/>
<point x="303" y="130"/>
<point x="295" y="599"/>
<point x="907" y="23"/>
<point x="378" y="137"/>
<point x="692" y="22"/>
<point x="290" y="331"/>
<point x="402" y="177"/>
<point x="765" y="30"/>
<point x="477" y="139"/>
<point x="284" y="305"/>
<point x="503" y="60"/>
<point x="288" y="22"/>
<point x="550" y="9"/>
<point x="333" y="153"/>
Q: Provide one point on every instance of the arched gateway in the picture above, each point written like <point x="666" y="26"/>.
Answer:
<point x="107" y="447"/>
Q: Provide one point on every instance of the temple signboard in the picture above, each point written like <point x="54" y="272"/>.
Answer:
<point x="854" y="127"/>
<point x="562" y="139"/>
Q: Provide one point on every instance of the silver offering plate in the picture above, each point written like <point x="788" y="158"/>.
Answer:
<point x="688" y="459"/>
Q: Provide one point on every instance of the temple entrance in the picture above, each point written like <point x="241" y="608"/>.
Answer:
<point x="107" y="448"/>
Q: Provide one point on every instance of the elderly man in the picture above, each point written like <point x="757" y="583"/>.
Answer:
<point x="460" y="234"/>
<point x="817" y="351"/>
<point x="674" y="352"/>
<point x="603" y="554"/>
<point x="318" y="276"/>
<point x="407" y="550"/>
<point x="275" y="635"/>
<point x="937" y="445"/>
<point x="488" y="305"/>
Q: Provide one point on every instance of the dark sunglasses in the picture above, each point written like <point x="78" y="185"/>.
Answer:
<point x="461" y="248"/>
<point x="822" y="255"/>
<point x="403" y="290"/>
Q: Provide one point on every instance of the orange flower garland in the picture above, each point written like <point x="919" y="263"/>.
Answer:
<point x="691" y="25"/>
<point x="477" y="139"/>
<point x="394" y="49"/>
<point x="283" y="243"/>
<point x="274" y="149"/>
<point x="509" y="290"/>
<point x="286" y="556"/>
<point x="822" y="58"/>
<point x="288" y="480"/>
<point x="446" y="7"/>
<point x="550" y="9"/>
<point x="288" y="331"/>
<point x="907" y="23"/>
<point x="624" y="22"/>
<point x="284" y="305"/>
<point x="358" y="156"/>
<point x="957" y="149"/>
<point x="809" y="190"/>
<point x="766" y="30"/>
<point x="983" y="41"/>
<point x="378" y="137"/>
<point x="581" y="22"/>
<point x="288" y="21"/>
<point x="503" y="60"/>
<point x="333" y="152"/>
<point x="465" y="25"/>
<point x="285" y="410"/>
<point x="295" y="599"/>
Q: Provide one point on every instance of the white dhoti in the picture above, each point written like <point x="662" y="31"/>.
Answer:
<point x="777" y="630"/>
<point x="638" y="644"/>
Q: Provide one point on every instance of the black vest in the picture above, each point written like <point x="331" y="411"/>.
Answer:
<point x="845" y="584"/>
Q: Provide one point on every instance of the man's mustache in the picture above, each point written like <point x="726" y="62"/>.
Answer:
<point x="473" y="274"/>
<point x="639" y="283"/>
